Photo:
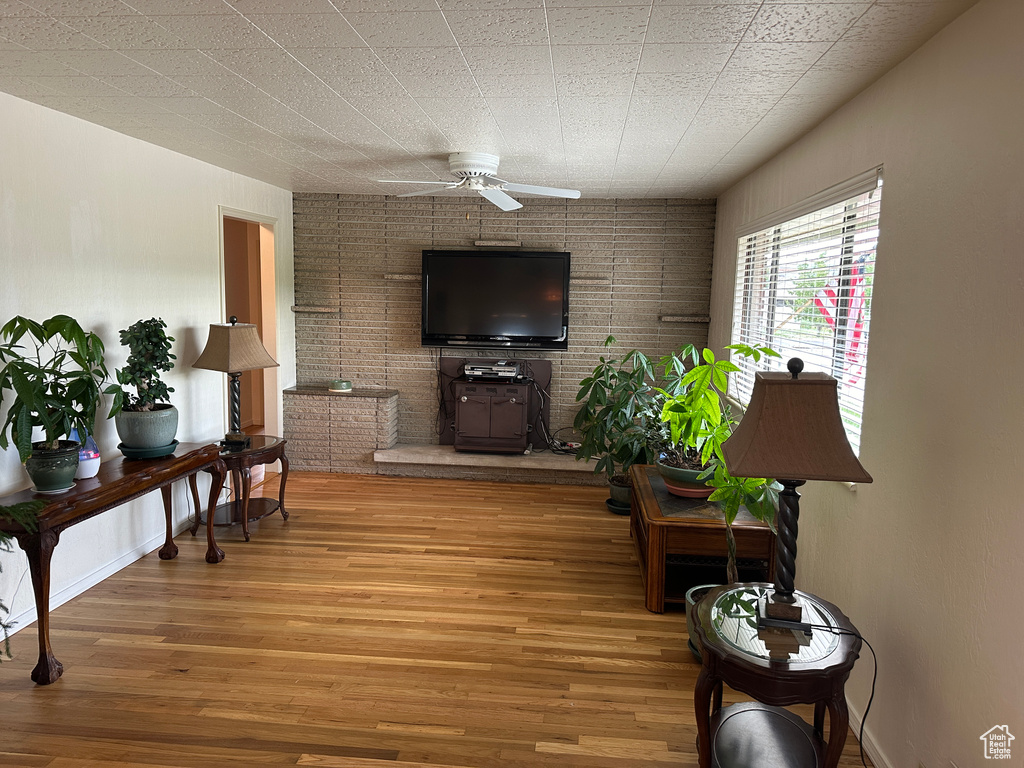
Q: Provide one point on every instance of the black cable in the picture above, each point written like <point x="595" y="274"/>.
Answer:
<point x="874" y="679"/>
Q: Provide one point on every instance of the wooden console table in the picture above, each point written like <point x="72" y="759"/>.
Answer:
<point x="671" y="533"/>
<point x="119" y="480"/>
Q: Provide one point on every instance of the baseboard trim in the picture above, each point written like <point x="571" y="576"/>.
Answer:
<point x="28" y="617"/>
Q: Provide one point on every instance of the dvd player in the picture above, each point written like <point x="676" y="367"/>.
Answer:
<point x="500" y="370"/>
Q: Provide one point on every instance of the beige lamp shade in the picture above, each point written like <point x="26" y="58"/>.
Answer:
<point x="233" y="348"/>
<point x="792" y="429"/>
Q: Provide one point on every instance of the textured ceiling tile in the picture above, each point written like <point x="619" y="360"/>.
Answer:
<point x="173" y="63"/>
<point x="700" y="24"/>
<point x="685" y="57"/>
<point x="12" y="8"/>
<point x="415" y="29"/>
<point x="804" y="22"/>
<point x="383" y="6"/>
<point x="68" y="8"/>
<point x="206" y="32"/>
<point x="249" y="7"/>
<point x="595" y="59"/>
<point x="489" y="5"/>
<point x="523" y="26"/>
<point x="621" y="25"/>
<point x="310" y="30"/>
<point x="27" y="87"/>
<point x="681" y="85"/>
<point x="80" y="86"/>
<point x="40" y="33"/>
<point x="778" y="57"/>
<point x="451" y="87"/>
<point x="439" y="62"/>
<point x="186" y="105"/>
<point x="750" y="80"/>
<point x="572" y="86"/>
<point x="890" y="21"/>
<point x="147" y="86"/>
<point x="516" y="86"/>
<point x="510" y="60"/>
<point x="126" y="32"/>
<point x="102" y="63"/>
<point x="165" y="8"/>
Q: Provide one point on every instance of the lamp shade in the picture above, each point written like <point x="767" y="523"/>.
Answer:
<point x="234" y="347"/>
<point x="792" y="429"/>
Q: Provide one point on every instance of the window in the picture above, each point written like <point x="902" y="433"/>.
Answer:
<point x="803" y="287"/>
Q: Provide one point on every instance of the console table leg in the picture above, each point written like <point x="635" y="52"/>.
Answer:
<point x="195" y="503"/>
<point x="284" y="479"/>
<point x="39" y="549"/>
<point x="169" y="550"/>
<point x="214" y="554"/>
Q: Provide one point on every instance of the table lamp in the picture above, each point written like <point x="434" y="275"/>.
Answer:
<point x="791" y="429"/>
<point x="234" y="347"/>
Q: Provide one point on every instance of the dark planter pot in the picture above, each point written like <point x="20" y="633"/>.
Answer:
<point x="684" y="482"/>
<point x="621" y="496"/>
<point x="147" y="430"/>
<point x="53" y="471"/>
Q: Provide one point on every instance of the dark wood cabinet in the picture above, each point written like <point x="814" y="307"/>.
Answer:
<point x="492" y="416"/>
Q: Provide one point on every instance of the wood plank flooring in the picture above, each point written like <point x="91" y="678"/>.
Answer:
<point x="389" y="622"/>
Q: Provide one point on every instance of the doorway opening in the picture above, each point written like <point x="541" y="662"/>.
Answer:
<point x="249" y="295"/>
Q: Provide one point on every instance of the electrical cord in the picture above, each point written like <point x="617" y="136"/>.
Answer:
<point x="874" y="679"/>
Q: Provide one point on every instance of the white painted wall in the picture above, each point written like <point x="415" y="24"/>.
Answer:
<point x="112" y="230"/>
<point x="927" y="561"/>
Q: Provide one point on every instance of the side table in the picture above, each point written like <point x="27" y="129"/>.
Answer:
<point x="263" y="449"/>
<point x="675" y="537"/>
<point x="776" y="667"/>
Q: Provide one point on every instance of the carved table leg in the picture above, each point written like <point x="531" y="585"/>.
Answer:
<point x="214" y="554"/>
<point x="706" y="685"/>
<point x="838" y="723"/>
<point x="284" y="479"/>
<point x="195" y="502"/>
<point x="39" y="548"/>
<point x="169" y="550"/>
<point x="246" y="490"/>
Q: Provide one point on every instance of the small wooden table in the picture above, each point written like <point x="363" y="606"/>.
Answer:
<point x="263" y="449"/>
<point x="776" y="667"/>
<point x="118" y="481"/>
<point x="670" y="532"/>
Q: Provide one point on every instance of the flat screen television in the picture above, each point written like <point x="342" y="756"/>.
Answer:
<point x="495" y="299"/>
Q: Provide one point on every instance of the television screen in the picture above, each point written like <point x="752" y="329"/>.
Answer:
<point x="495" y="299"/>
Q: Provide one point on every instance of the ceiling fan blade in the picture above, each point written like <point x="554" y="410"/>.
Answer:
<point x="428" y="191"/>
<point x="401" y="181"/>
<point x="500" y="199"/>
<point x="530" y="189"/>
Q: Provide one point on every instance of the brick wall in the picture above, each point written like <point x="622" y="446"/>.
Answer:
<point x="357" y="286"/>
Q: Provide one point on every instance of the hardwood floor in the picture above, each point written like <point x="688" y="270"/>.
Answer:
<point x="389" y="621"/>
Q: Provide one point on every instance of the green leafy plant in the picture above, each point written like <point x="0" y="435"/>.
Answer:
<point x="700" y="419"/>
<point x="149" y="353"/>
<point x="23" y="514"/>
<point x="55" y="380"/>
<point x="620" y="409"/>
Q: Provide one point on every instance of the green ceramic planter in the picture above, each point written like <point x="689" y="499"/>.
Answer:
<point x="684" y="482"/>
<point x="53" y="471"/>
<point x="147" y="429"/>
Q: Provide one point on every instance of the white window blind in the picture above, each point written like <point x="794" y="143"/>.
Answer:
<point x="803" y="288"/>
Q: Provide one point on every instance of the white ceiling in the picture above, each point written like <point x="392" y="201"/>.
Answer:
<point x="617" y="98"/>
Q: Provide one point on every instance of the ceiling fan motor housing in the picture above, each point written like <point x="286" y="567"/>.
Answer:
<point x="466" y="165"/>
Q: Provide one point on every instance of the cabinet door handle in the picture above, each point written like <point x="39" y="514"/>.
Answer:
<point x="464" y="398"/>
<point x="512" y="400"/>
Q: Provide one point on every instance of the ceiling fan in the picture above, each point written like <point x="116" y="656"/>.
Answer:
<point x="476" y="171"/>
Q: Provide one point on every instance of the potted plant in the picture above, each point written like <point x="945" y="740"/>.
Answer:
<point x="55" y="381"/>
<point x="146" y="421"/>
<point x="23" y="514"/>
<point x="620" y="410"/>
